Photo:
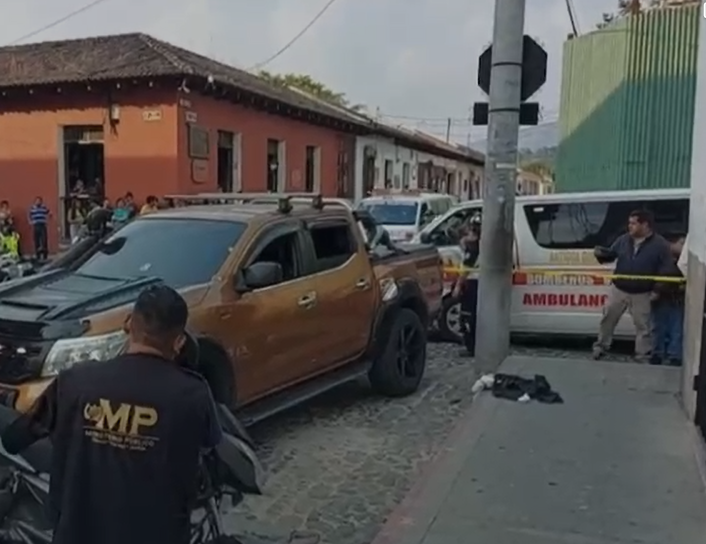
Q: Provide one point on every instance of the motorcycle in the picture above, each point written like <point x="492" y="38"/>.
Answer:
<point x="231" y="471"/>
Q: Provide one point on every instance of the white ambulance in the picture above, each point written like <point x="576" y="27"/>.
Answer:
<point x="554" y="234"/>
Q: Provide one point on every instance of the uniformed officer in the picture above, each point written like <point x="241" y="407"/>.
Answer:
<point x="127" y="434"/>
<point x="467" y="286"/>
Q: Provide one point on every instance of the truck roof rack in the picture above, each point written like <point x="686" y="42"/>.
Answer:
<point x="284" y="201"/>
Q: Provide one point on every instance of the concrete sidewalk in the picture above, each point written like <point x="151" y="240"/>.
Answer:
<point x="615" y="464"/>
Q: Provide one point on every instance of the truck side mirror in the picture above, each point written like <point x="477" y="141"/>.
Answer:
<point x="258" y="276"/>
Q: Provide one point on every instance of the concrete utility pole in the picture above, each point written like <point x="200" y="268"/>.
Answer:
<point x="495" y="288"/>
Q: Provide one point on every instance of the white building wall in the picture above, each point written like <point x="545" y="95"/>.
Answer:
<point x="387" y="150"/>
<point x="696" y="263"/>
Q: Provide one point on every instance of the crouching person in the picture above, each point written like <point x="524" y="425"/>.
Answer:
<point x="668" y="314"/>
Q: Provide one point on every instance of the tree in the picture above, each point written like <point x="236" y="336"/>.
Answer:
<point x="625" y="8"/>
<point x="310" y="86"/>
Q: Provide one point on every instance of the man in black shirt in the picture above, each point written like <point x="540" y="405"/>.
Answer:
<point x="127" y="435"/>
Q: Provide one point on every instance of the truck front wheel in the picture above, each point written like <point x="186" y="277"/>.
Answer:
<point x="399" y="363"/>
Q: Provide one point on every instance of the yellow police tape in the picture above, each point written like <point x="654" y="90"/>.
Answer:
<point x="543" y="272"/>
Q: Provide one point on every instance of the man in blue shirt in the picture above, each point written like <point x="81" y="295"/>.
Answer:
<point x="38" y="218"/>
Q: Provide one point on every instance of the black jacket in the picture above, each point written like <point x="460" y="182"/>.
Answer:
<point x="651" y="258"/>
<point x="127" y="436"/>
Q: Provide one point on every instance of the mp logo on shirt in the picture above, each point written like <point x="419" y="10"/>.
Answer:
<point x="120" y="425"/>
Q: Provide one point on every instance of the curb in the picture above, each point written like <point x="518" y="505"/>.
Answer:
<point x="411" y="519"/>
<point x="699" y="445"/>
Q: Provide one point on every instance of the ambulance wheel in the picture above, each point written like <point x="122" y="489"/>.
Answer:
<point x="450" y="320"/>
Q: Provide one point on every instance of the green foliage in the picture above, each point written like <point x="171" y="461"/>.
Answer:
<point x="634" y="7"/>
<point x="310" y="86"/>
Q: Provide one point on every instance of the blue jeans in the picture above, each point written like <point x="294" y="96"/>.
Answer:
<point x="667" y="330"/>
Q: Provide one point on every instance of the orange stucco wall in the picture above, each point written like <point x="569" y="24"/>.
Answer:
<point x="255" y="128"/>
<point x="145" y="155"/>
<point x="140" y="156"/>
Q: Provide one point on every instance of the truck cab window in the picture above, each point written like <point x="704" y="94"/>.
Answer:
<point x="181" y="252"/>
<point x="282" y="250"/>
<point x="333" y="245"/>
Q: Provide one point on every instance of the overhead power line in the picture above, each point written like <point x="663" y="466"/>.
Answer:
<point x="296" y="38"/>
<point x="57" y="22"/>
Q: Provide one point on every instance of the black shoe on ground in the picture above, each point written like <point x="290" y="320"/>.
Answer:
<point x="655" y="360"/>
<point x="674" y="362"/>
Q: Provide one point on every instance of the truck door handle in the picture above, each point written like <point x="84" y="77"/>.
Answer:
<point x="307" y="301"/>
<point x="362" y="283"/>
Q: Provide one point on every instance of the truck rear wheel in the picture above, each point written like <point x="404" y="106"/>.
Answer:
<point x="399" y="363"/>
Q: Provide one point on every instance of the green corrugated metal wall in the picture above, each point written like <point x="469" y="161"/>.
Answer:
<point x="627" y="104"/>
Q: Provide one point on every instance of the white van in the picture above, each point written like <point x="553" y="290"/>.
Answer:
<point x="403" y="214"/>
<point x="553" y="234"/>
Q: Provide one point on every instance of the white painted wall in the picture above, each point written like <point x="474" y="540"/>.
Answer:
<point x="386" y="150"/>
<point x="399" y="156"/>
<point x="696" y="263"/>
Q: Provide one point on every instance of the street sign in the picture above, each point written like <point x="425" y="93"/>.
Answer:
<point x="534" y="68"/>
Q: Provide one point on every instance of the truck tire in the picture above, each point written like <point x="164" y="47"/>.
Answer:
<point x="449" y="322"/>
<point x="399" y="363"/>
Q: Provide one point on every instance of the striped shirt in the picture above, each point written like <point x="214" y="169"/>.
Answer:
<point x="38" y="215"/>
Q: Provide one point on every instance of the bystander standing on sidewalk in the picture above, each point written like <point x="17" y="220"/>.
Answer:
<point x="38" y="217"/>
<point x="150" y="206"/>
<point x="76" y="216"/>
<point x="131" y="205"/>
<point x="121" y="214"/>
<point x="639" y="252"/>
<point x="668" y="314"/>
<point x="6" y="219"/>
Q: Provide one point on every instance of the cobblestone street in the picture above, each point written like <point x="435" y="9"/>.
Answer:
<point x="338" y="465"/>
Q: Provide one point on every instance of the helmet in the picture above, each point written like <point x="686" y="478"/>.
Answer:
<point x="477" y="219"/>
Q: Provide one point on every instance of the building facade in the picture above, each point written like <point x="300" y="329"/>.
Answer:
<point x="533" y="183"/>
<point x="144" y="116"/>
<point x="386" y="162"/>
<point x="627" y="103"/>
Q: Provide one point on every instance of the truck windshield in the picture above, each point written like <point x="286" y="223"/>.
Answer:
<point x="393" y="213"/>
<point x="181" y="252"/>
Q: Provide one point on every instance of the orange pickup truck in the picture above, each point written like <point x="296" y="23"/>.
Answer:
<point x="285" y="296"/>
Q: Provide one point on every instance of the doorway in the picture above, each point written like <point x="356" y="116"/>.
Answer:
<point x="369" y="154"/>
<point x="275" y="166"/>
<point x="84" y="169"/>
<point x="225" y="160"/>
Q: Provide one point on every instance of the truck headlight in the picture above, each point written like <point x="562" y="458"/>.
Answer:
<point x="66" y="353"/>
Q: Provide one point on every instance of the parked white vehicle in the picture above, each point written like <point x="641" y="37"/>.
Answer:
<point x="404" y="214"/>
<point x="555" y="288"/>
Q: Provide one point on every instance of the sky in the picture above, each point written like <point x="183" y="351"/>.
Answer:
<point x="413" y="61"/>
